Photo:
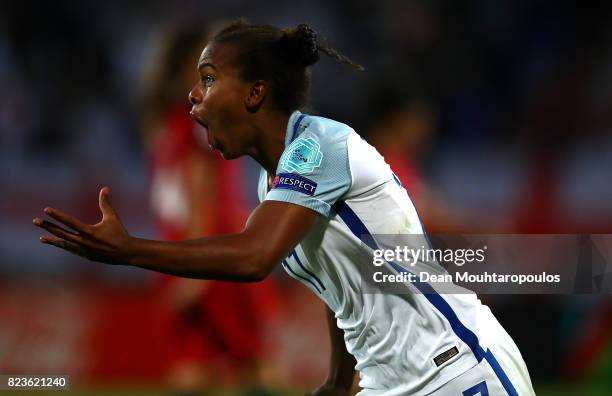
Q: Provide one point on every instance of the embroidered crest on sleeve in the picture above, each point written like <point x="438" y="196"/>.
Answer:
<point x="302" y="156"/>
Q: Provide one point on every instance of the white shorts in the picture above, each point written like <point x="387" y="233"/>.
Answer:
<point x="501" y="373"/>
<point x="480" y="380"/>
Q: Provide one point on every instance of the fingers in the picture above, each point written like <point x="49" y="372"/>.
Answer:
<point x="58" y="231"/>
<point x="105" y="206"/>
<point x="67" y="220"/>
<point x="62" y="244"/>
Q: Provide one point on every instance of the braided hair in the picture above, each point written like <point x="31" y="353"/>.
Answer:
<point x="280" y="56"/>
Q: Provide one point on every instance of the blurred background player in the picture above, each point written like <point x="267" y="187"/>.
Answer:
<point x="402" y="126"/>
<point x="212" y="343"/>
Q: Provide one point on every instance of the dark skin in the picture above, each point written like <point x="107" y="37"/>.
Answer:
<point x="241" y="119"/>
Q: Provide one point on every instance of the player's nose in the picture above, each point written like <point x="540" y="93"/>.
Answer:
<point x="194" y="97"/>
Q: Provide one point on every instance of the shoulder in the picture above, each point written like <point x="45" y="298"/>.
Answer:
<point x="323" y="129"/>
<point x="365" y="166"/>
<point x="318" y="142"/>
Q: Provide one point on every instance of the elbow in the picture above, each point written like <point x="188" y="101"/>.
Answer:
<point x="255" y="276"/>
<point x="256" y="272"/>
<point x="261" y="263"/>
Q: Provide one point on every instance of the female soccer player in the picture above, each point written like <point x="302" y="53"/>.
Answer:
<point x="324" y="192"/>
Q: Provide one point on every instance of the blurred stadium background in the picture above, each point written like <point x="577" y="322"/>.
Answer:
<point x="497" y="115"/>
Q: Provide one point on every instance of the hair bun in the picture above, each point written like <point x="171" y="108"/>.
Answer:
<point x="303" y="41"/>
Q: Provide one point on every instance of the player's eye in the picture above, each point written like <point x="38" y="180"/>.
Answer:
<point x="207" y="80"/>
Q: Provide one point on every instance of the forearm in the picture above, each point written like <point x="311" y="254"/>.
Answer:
<point x="227" y="257"/>
<point x="273" y="229"/>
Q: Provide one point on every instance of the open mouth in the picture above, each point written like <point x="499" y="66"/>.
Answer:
<point x="209" y="137"/>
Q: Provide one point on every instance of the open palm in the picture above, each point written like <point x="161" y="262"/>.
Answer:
<point x="105" y="241"/>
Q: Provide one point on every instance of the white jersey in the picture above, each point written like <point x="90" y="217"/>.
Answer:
<point x="404" y="344"/>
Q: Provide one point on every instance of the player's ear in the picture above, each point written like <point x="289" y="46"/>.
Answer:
<point x="255" y="96"/>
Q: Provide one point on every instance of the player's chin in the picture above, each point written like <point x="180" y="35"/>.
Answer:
<point x="229" y="151"/>
<point x="228" y="155"/>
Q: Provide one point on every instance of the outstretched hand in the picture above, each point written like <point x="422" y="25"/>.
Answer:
<point x="107" y="241"/>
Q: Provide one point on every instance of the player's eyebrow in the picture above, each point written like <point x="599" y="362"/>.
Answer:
<point x="206" y="64"/>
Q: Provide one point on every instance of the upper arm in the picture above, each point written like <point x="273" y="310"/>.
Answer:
<point x="313" y="173"/>
<point x="275" y="228"/>
<point x="314" y="170"/>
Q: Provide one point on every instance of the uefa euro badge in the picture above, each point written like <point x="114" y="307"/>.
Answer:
<point x="302" y="156"/>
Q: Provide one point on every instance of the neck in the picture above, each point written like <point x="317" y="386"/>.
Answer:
<point x="269" y="147"/>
